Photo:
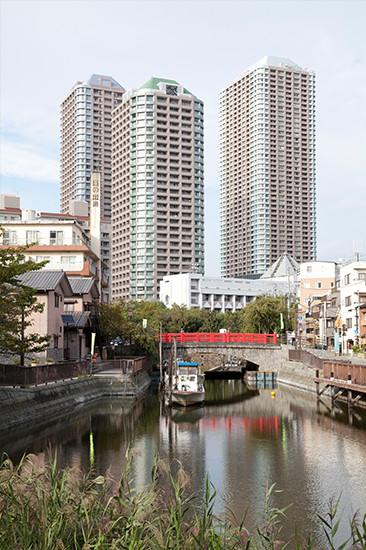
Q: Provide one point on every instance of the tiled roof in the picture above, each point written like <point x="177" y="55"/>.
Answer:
<point x="78" y="319"/>
<point x="46" y="280"/>
<point x="81" y="285"/>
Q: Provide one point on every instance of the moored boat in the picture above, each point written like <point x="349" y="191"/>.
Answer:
<point x="187" y="387"/>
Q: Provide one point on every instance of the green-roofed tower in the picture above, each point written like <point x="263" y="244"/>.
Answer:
<point x="153" y="84"/>
<point x="158" y="190"/>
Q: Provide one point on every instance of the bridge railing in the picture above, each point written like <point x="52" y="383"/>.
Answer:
<point x="218" y="337"/>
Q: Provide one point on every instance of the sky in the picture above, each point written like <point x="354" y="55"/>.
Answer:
<point x="47" y="46"/>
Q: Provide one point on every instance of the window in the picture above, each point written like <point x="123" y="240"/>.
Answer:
<point x="43" y="259"/>
<point x="10" y="237"/>
<point x="362" y="276"/>
<point x="56" y="237"/>
<point x="309" y="269"/>
<point x="347" y="279"/>
<point x="349" y="323"/>
<point x="57" y="300"/>
<point x="55" y="342"/>
<point x="318" y="285"/>
<point x="347" y="301"/>
<point x="68" y="259"/>
<point x="32" y="236"/>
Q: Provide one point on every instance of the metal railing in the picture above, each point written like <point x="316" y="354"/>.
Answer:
<point x="132" y="365"/>
<point x="305" y="357"/>
<point x="218" y="337"/>
<point x="15" y="375"/>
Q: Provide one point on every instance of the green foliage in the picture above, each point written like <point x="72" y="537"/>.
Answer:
<point x="263" y="315"/>
<point x="17" y="303"/>
<point x="359" y="348"/>
<point x="125" y="320"/>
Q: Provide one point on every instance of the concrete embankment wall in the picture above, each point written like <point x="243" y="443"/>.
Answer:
<point x="26" y="405"/>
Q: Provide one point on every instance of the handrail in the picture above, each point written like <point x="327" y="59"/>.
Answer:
<point x="217" y="337"/>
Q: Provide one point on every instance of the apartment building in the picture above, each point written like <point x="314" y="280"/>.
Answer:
<point x="86" y="140"/>
<point x="62" y="243"/>
<point x="10" y="211"/>
<point x="316" y="280"/>
<point x="158" y="192"/>
<point x="353" y="300"/>
<point x="267" y="167"/>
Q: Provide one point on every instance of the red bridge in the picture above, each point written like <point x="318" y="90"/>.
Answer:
<point x="218" y="337"/>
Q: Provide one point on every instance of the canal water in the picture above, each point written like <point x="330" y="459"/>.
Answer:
<point x="243" y="440"/>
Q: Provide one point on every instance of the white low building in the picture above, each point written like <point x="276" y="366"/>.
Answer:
<point x="353" y="296"/>
<point x="223" y="294"/>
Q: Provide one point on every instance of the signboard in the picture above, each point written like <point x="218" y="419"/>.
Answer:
<point x="338" y="322"/>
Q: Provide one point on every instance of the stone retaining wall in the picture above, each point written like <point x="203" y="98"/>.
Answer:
<point x="25" y="405"/>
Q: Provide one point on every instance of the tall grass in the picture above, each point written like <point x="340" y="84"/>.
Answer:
<point x="42" y="508"/>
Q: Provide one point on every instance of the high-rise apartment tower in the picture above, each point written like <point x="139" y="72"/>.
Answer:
<point x="267" y="167"/>
<point x="158" y="193"/>
<point x="86" y="140"/>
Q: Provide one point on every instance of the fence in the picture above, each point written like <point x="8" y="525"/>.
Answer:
<point x="354" y="374"/>
<point x="14" y="375"/>
<point x="218" y="337"/>
<point x="303" y="356"/>
<point x="132" y="365"/>
<point x="338" y="370"/>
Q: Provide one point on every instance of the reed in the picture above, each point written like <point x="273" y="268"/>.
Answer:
<point x="45" y="508"/>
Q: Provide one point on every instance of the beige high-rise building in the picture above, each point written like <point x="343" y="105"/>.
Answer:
<point x="267" y="167"/>
<point x="158" y="192"/>
<point x="86" y="140"/>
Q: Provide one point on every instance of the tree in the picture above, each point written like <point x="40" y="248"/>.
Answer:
<point x="125" y="320"/>
<point x="17" y="303"/>
<point x="263" y="315"/>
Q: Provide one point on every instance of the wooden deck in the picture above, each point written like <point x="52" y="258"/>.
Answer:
<point x="338" y="388"/>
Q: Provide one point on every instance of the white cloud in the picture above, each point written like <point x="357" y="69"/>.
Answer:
<point x="24" y="162"/>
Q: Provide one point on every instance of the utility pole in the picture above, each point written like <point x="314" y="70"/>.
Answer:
<point x="161" y="354"/>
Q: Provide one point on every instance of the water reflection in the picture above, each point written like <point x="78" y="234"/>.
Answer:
<point x="244" y="440"/>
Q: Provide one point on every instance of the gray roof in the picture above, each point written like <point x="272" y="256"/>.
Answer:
<point x="95" y="79"/>
<point x="273" y="61"/>
<point x="84" y="285"/>
<point x="78" y="319"/>
<point x="46" y="280"/>
<point x="284" y="266"/>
